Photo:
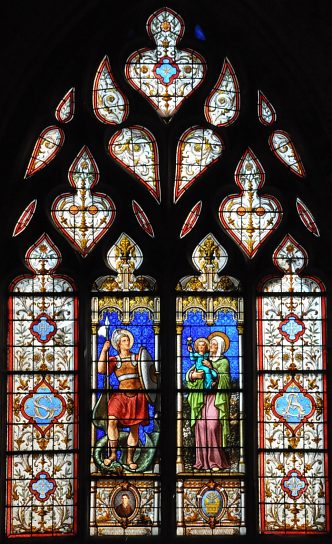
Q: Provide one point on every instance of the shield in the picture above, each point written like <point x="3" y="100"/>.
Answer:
<point x="147" y="374"/>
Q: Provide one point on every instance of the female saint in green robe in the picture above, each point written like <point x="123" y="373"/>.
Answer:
<point x="209" y="410"/>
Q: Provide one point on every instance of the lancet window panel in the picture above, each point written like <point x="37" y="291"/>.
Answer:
<point x="292" y="392"/>
<point x="42" y="404"/>
<point x="210" y="456"/>
<point x="125" y="456"/>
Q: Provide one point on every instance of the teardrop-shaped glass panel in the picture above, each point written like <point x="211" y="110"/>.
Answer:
<point x="290" y="256"/>
<point x="266" y="112"/>
<point x="222" y="106"/>
<point x="110" y="105"/>
<point x="125" y="253"/>
<point x="284" y="149"/>
<point x="209" y="254"/>
<point x="135" y="149"/>
<point x="198" y="148"/>
<point x="46" y="148"/>
<point x="66" y="107"/>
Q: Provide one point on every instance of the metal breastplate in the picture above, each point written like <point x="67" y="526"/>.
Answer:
<point x="127" y="372"/>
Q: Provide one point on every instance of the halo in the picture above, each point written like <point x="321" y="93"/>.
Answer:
<point x="206" y="342"/>
<point x="223" y="336"/>
<point x="116" y="335"/>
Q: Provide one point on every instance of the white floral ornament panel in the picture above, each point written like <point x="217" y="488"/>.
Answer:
<point x="109" y="103"/>
<point x="198" y="148"/>
<point x="48" y="145"/>
<point x="284" y="149"/>
<point x="166" y="75"/>
<point x="222" y="106"/>
<point x="66" y="108"/>
<point x="248" y="217"/>
<point x="266" y="112"/>
<point x="135" y="149"/>
<point x="83" y="217"/>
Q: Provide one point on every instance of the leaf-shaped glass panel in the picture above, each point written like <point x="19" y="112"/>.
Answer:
<point x="142" y="218"/>
<point x="306" y="217"/>
<point x="25" y="218"/>
<point x="191" y="219"/>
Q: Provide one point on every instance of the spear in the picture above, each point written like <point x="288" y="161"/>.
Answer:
<point x="107" y="335"/>
<point x="107" y="327"/>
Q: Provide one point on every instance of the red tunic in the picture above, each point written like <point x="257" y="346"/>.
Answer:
<point x="128" y="407"/>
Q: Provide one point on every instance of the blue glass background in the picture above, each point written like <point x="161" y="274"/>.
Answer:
<point x="141" y="328"/>
<point x="195" y="326"/>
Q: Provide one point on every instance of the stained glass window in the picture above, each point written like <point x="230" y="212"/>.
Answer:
<point x="125" y="459"/>
<point x="42" y="436"/>
<point x="203" y="387"/>
<point x="293" y="463"/>
<point x="142" y="218"/>
<point x="306" y="217"/>
<point x="191" y="219"/>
